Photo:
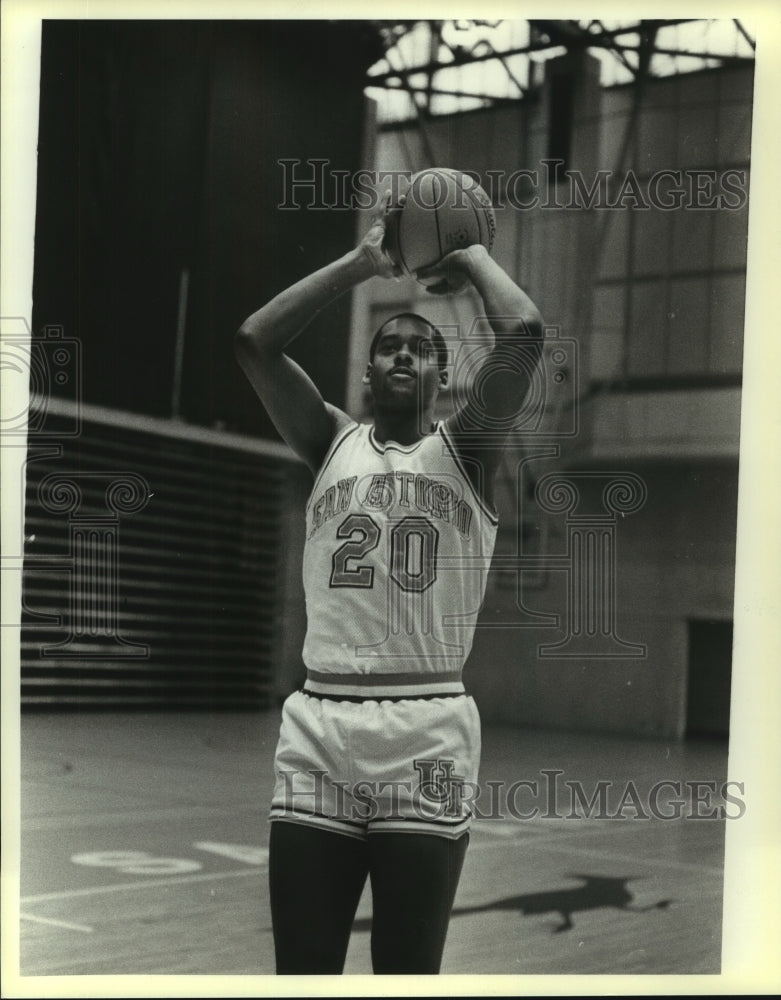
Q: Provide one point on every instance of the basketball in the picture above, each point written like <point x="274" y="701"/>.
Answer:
<point x="444" y="210"/>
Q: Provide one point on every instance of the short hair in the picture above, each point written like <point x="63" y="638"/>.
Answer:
<point x="436" y="336"/>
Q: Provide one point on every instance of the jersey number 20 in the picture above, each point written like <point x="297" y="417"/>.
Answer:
<point x="413" y="553"/>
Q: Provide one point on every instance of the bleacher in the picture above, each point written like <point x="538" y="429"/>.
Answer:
<point x="151" y="555"/>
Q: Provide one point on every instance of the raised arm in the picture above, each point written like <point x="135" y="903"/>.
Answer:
<point x="300" y="414"/>
<point x="480" y="427"/>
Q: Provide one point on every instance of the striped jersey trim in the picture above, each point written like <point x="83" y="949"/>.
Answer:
<point x="370" y="686"/>
<point x="374" y="693"/>
<point x="422" y="828"/>
<point x="406" y="449"/>
<point x="492" y="515"/>
<point x="280" y="811"/>
<point x="360" y="698"/>
<point x="384" y="679"/>
<point x="381" y="824"/>
<point x="322" y="822"/>
<point x="439" y="828"/>
<point x="337" y="442"/>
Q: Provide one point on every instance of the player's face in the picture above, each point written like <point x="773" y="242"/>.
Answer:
<point x="404" y="371"/>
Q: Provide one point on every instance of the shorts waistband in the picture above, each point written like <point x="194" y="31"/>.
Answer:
<point x="370" y="687"/>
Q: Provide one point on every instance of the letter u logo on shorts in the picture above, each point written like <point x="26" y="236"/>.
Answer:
<point x="438" y="784"/>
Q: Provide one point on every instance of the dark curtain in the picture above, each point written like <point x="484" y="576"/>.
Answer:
<point x="159" y="150"/>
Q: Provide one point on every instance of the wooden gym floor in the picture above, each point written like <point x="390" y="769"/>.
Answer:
<point x="143" y="851"/>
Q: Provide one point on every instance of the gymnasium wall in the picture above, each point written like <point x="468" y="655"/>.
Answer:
<point x="651" y="303"/>
<point x="674" y="564"/>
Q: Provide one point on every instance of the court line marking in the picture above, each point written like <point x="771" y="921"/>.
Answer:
<point x="151" y="883"/>
<point x="56" y="923"/>
<point x="154" y="883"/>
<point x="140" y="816"/>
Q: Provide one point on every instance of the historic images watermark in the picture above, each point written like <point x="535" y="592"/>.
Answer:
<point x="438" y="792"/>
<point x="40" y="370"/>
<point x="92" y="563"/>
<point x="314" y="185"/>
<point x="35" y="368"/>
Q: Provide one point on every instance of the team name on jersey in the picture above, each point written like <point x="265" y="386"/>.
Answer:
<point x="389" y="490"/>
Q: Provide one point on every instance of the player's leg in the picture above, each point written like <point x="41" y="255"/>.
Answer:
<point x="414" y="879"/>
<point x="316" y="878"/>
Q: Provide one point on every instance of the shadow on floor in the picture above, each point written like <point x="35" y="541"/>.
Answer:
<point x="597" y="892"/>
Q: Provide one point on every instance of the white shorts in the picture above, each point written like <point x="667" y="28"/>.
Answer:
<point x="369" y="766"/>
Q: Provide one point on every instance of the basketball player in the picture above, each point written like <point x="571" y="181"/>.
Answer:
<point x="376" y="750"/>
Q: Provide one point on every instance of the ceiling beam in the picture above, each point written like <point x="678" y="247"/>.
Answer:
<point x="568" y="34"/>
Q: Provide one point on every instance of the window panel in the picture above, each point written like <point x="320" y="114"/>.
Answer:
<point x="651" y="242"/>
<point x="656" y="141"/>
<point x="688" y="327"/>
<point x="647" y="329"/>
<point x="607" y="337"/>
<point x="692" y="240"/>
<point x="614" y="249"/>
<point x="734" y="137"/>
<point x="697" y="136"/>
<point x="731" y="238"/>
<point x="727" y="319"/>
<point x="612" y="140"/>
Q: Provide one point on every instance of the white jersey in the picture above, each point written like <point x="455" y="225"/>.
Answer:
<point x="398" y="548"/>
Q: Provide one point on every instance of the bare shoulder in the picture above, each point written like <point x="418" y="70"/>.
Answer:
<point x="478" y="458"/>
<point x="339" y="419"/>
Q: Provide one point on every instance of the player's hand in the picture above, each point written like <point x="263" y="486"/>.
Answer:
<point x="453" y="272"/>
<point x="372" y="243"/>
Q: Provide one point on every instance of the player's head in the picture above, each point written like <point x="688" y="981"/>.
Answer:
<point x="407" y="362"/>
<point x="437" y="344"/>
